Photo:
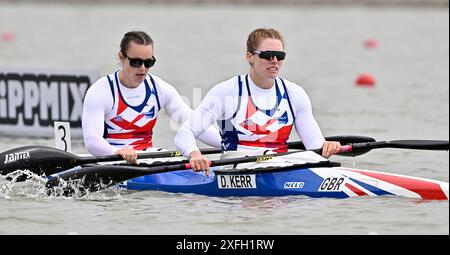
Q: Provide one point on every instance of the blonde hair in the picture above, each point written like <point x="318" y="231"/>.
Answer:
<point x="258" y="35"/>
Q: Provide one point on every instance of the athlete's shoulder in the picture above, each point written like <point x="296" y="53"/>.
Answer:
<point x="291" y="86"/>
<point x="100" y="82"/>
<point x="104" y="81"/>
<point x="99" y="86"/>
<point x="288" y="83"/>
<point x="159" y="82"/>
<point x="229" y="84"/>
<point x="99" y="95"/>
<point x="165" y="92"/>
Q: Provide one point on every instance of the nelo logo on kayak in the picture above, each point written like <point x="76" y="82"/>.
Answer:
<point x="294" y="185"/>
<point x="13" y="157"/>
<point x="236" y="181"/>
<point x="332" y="184"/>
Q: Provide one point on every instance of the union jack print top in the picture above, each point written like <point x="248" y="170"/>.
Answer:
<point x="132" y="126"/>
<point x="251" y="126"/>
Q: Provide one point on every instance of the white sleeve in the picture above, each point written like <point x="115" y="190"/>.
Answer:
<point x="219" y="103"/>
<point x="97" y="102"/>
<point x="179" y="112"/>
<point x="306" y="126"/>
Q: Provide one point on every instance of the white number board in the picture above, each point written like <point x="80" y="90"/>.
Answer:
<point x="62" y="136"/>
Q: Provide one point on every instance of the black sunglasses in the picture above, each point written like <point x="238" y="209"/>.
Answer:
<point x="137" y="62"/>
<point x="269" y="54"/>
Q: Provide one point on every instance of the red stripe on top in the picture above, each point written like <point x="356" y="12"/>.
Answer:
<point x="273" y="140"/>
<point x="131" y="135"/>
<point x="427" y="190"/>
<point x="122" y="106"/>
<point x="143" y="144"/>
<point x="255" y="128"/>
<point x="123" y="124"/>
<point x="251" y="109"/>
<point x="140" y="116"/>
<point x="144" y="134"/>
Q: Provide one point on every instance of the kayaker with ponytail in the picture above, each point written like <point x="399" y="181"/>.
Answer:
<point x="256" y="111"/>
<point x="120" y="109"/>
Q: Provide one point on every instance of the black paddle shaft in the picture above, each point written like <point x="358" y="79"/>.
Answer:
<point x="404" y="144"/>
<point x="342" y="139"/>
<point x="43" y="160"/>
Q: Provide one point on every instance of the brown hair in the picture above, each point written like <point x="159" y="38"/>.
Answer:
<point x="138" y="37"/>
<point x="255" y="37"/>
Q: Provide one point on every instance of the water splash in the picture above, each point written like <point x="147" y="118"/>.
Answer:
<point x="34" y="188"/>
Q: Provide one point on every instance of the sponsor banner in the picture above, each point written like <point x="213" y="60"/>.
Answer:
<point x="31" y="100"/>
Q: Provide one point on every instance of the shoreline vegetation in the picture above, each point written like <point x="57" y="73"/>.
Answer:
<point x="432" y="3"/>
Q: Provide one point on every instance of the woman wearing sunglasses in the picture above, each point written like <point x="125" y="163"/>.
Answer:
<point x="256" y="111"/>
<point x="120" y="109"/>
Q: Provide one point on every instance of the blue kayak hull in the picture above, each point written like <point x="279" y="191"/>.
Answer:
<point x="332" y="182"/>
<point x="267" y="184"/>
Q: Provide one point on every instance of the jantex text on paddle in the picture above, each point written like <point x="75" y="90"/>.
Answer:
<point x="12" y="157"/>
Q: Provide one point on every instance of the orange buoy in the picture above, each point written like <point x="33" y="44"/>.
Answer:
<point x="366" y="80"/>
<point x="371" y="43"/>
<point x="7" y="37"/>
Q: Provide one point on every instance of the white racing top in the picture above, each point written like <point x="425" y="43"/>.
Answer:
<point x="222" y="101"/>
<point x="99" y="102"/>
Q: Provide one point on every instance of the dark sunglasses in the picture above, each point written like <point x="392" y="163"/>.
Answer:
<point x="137" y="62"/>
<point x="269" y="54"/>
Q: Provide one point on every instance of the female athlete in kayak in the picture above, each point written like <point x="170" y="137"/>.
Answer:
<point x="120" y="109"/>
<point x="255" y="111"/>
